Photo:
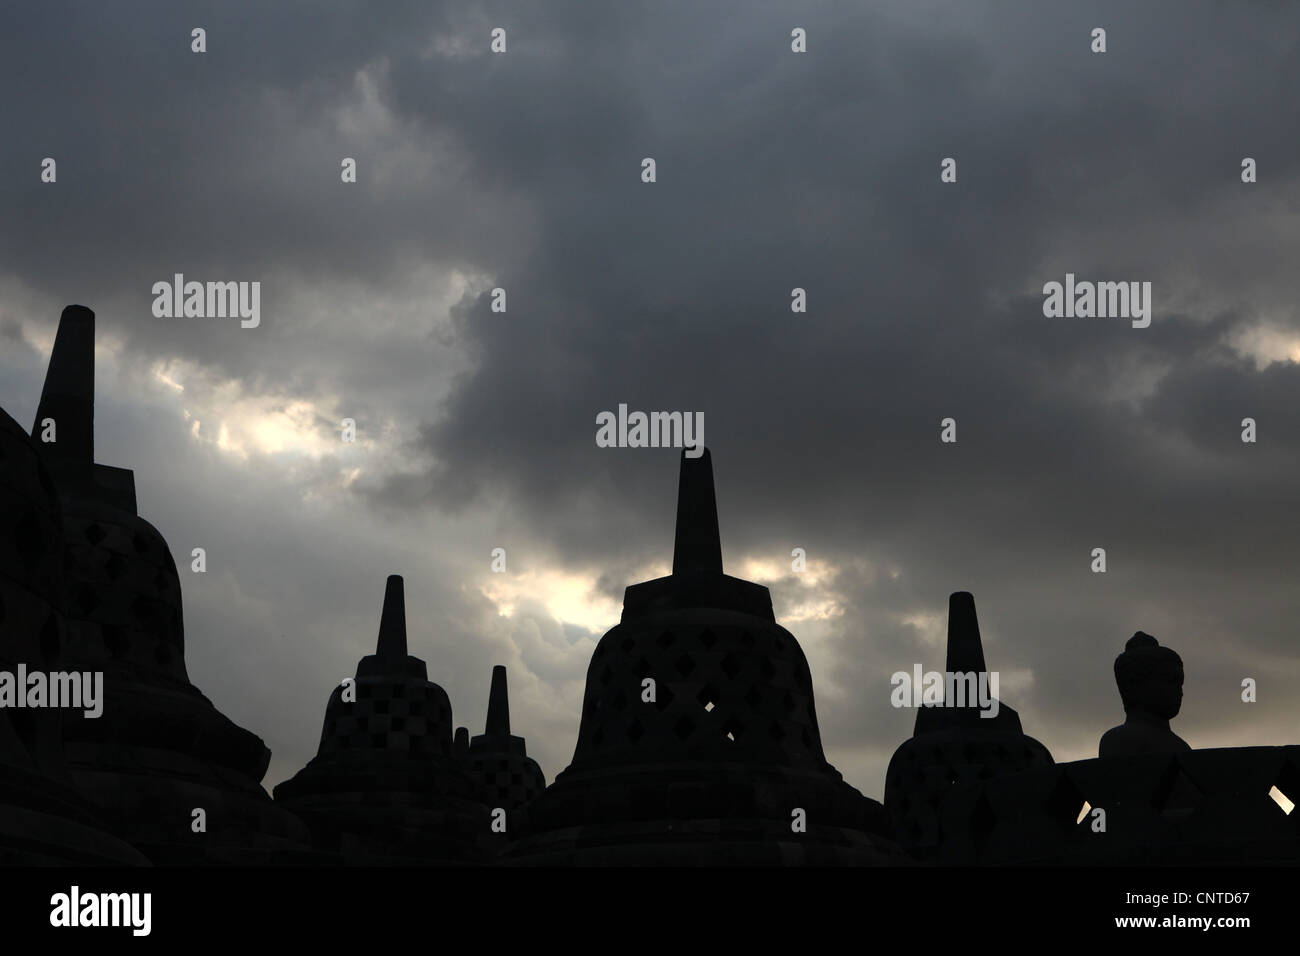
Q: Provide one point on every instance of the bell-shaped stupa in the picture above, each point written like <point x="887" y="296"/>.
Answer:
<point x="953" y="743"/>
<point x="498" y="759"/>
<point x="43" y="820"/>
<point x="699" y="741"/>
<point x="160" y="752"/>
<point x="384" y="786"/>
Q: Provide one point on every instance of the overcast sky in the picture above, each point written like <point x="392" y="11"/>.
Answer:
<point x="775" y="170"/>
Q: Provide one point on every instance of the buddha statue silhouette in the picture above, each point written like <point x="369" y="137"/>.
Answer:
<point x="1150" y="679"/>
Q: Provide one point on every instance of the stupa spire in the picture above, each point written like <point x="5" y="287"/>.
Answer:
<point x="392" y="621"/>
<point x="698" y="545"/>
<point x="965" y="649"/>
<point x="69" y="393"/>
<point x="498" y="714"/>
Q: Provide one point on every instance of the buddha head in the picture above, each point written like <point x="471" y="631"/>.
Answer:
<point x="1150" y="677"/>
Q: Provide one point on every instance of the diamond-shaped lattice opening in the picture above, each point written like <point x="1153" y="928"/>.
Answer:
<point x="733" y="728"/>
<point x="684" y="727"/>
<point x="620" y="701"/>
<point x="87" y="599"/>
<point x="685" y="665"/>
<point x="142" y="610"/>
<point x="627" y="644"/>
<point x="776" y="731"/>
<point x="635" y="731"/>
<point x="46" y="482"/>
<point x="731" y="737"/>
<point x="709" y="706"/>
<point x="708" y="638"/>
<point x="982" y="821"/>
<point x="27" y="536"/>
<point x="767" y="669"/>
<point x="708" y="697"/>
<point x="94" y="533"/>
<point x="754" y="698"/>
<point x="140" y="542"/>
<point x="49" y="640"/>
<point x="663" y="696"/>
<point x="730" y="666"/>
<point x="747" y="639"/>
<point x="115" y="567"/>
<point x="665" y="639"/>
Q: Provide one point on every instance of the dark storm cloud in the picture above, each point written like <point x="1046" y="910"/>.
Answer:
<point x="775" y="171"/>
<point x="778" y="171"/>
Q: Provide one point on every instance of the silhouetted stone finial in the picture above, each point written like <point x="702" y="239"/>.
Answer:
<point x="965" y="649"/>
<point x="69" y="393"/>
<point x="498" y="714"/>
<point x="497" y="758"/>
<point x="392" y="621"/>
<point x="391" y="657"/>
<point x="460" y="743"/>
<point x="698" y="546"/>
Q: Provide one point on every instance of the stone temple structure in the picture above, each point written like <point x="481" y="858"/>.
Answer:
<point x="1149" y="799"/>
<point x="699" y="741"/>
<point x="384" y="786"/>
<point x="43" y="820"/>
<point x="953" y="745"/>
<point x="497" y="759"/>
<point x="161" y="751"/>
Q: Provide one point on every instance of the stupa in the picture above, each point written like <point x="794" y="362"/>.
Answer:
<point x="497" y="759"/>
<point x="1148" y="800"/>
<point x="699" y="741"/>
<point x="384" y="787"/>
<point x="954" y="745"/>
<point x="161" y="751"/>
<point x="43" y="820"/>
